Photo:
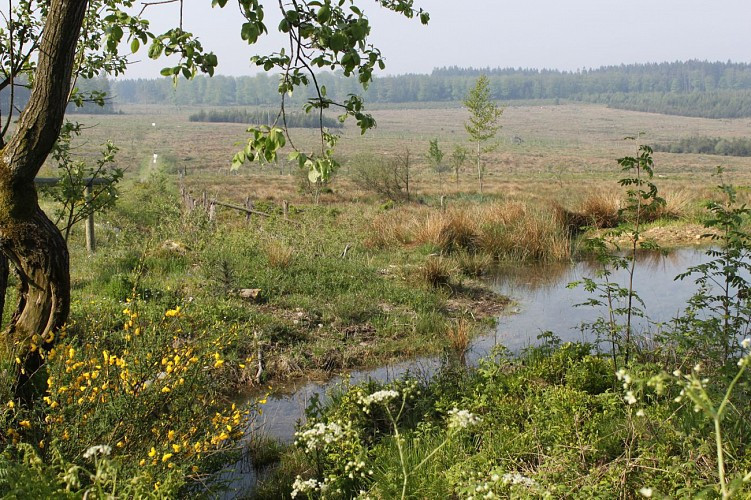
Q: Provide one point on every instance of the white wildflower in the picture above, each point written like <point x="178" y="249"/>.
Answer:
<point x="379" y="397"/>
<point x="320" y="433"/>
<point x="640" y="413"/>
<point x="461" y="419"/>
<point x="304" y="486"/>
<point x="677" y="373"/>
<point x="93" y="451"/>
<point x="516" y="478"/>
<point x="646" y="492"/>
<point x="697" y="367"/>
<point x="630" y="398"/>
<point x="746" y="343"/>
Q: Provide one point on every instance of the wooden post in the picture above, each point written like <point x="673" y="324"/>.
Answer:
<point x="205" y="201"/>
<point x="443" y="203"/>
<point x="285" y="209"/>
<point x="90" y="239"/>
<point x="212" y="211"/>
<point x="249" y="206"/>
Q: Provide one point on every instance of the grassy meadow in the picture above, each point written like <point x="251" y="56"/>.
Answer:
<point x="175" y="314"/>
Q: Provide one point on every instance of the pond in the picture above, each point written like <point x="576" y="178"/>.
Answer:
<point x="543" y="302"/>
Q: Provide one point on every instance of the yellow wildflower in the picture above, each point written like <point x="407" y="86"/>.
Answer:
<point x="172" y="313"/>
<point x="166" y="457"/>
<point x="25" y="424"/>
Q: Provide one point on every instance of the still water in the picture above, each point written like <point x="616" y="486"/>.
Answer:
<point x="543" y="301"/>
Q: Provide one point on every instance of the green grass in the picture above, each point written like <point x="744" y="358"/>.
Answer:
<point x="553" y="423"/>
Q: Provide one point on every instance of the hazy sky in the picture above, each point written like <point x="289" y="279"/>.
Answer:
<point x="560" y="34"/>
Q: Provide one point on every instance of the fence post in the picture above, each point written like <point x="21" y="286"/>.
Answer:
<point x="90" y="239"/>
<point x="285" y="209"/>
<point x="212" y="211"/>
<point x="249" y="206"/>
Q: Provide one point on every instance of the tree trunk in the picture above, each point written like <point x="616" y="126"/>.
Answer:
<point x="29" y="240"/>
<point x="3" y="284"/>
<point x="479" y="168"/>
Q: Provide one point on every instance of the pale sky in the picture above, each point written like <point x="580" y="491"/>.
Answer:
<point x="556" y="34"/>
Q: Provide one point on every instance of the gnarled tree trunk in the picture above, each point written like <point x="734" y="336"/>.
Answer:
<point x="29" y="240"/>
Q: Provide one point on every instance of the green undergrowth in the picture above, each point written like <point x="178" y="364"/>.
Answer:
<point x="175" y="313"/>
<point x="319" y="299"/>
<point x="556" y="422"/>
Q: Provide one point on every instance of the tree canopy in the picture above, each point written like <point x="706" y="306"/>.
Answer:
<point x="46" y="45"/>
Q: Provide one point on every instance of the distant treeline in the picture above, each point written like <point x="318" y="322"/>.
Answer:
<point x="260" y="117"/>
<point x="708" y="145"/>
<point x="714" y="104"/>
<point x="694" y="88"/>
<point x="22" y="92"/>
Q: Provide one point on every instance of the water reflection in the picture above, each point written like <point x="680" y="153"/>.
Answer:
<point x="545" y="301"/>
<point x="542" y="302"/>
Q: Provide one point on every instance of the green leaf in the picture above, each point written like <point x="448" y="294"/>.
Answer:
<point x="135" y="45"/>
<point x="314" y="176"/>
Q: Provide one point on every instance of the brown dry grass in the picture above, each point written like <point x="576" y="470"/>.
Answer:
<point x="279" y="254"/>
<point x="459" y="335"/>
<point x="436" y="271"/>
<point x="503" y="230"/>
<point x="568" y="151"/>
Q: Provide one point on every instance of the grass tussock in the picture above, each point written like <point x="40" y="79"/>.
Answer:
<point x="502" y="230"/>
<point x="459" y="335"/>
<point x="279" y="254"/>
<point x="436" y="271"/>
<point x="600" y="209"/>
<point x="678" y="204"/>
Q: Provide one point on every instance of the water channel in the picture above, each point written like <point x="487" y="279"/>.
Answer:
<point x="542" y="302"/>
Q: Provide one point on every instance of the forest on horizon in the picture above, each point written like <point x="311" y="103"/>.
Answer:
<point x="690" y="88"/>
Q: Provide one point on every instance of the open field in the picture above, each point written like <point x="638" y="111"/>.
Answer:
<point x="566" y="150"/>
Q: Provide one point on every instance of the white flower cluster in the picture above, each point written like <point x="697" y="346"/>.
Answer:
<point x="625" y="377"/>
<point x="307" y="486"/>
<point x="745" y="360"/>
<point x="461" y="419"/>
<point x="354" y="469"/>
<point x="100" y="449"/>
<point x="318" y="434"/>
<point x="379" y="397"/>
<point x="516" y="478"/>
<point x="484" y="488"/>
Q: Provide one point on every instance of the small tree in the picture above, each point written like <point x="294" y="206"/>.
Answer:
<point x="435" y="157"/>
<point x="458" y="158"/>
<point x="483" y="121"/>
<point x="76" y="194"/>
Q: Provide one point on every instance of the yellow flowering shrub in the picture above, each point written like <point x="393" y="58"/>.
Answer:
<point x="149" y="393"/>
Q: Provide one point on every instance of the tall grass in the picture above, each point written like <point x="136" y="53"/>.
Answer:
<point x="503" y="230"/>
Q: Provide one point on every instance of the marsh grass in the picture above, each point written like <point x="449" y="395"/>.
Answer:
<point x="436" y="271"/>
<point x="501" y="230"/>
<point x="459" y="335"/>
<point x="278" y="253"/>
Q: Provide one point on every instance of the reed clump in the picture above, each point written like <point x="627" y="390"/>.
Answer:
<point x="501" y="230"/>
<point x="279" y="254"/>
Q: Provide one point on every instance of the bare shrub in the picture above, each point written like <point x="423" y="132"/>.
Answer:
<point x="386" y="177"/>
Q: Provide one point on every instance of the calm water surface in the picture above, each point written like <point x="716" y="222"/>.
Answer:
<point x="542" y="302"/>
